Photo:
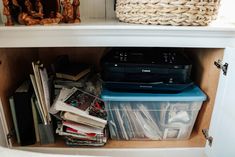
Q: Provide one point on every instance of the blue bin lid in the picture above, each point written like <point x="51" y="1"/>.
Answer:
<point x="192" y="94"/>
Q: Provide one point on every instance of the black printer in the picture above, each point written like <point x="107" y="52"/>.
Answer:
<point x="146" y="69"/>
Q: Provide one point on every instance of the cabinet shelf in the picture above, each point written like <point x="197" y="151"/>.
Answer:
<point x="105" y="33"/>
<point x="202" y="58"/>
<point x="45" y="42"/>
<point x="194" y="141"/>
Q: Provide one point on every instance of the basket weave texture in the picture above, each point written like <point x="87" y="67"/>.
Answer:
<point x="168" y="12"/>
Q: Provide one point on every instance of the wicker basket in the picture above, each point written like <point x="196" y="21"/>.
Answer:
<point x="168" y="12"/>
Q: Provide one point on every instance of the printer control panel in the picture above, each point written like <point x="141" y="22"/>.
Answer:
<point x="158" y="57"/>
<point x="123" y="56"/>
<point x="169" y="57"/>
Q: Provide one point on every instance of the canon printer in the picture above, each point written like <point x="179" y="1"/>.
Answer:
<point x="146" y="69"/>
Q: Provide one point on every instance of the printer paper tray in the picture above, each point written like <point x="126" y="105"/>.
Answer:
<point x="159" y="87"/>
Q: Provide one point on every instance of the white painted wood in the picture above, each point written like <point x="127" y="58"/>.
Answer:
<point x="222" y="127"/>
<point x="92" y="9"/>
<point x="154" y="152"/>
<point x="3" y="141"/>
<point x="1" y="20"/>
<point x="96" y="33"/>
<point x="3" y="129"/>
<point x="110" y="13"/>
<point x="1" y="13"/>
<point x="6" y="152"/>
<point x="112" y="33"/>
<point x="227" y="10"/>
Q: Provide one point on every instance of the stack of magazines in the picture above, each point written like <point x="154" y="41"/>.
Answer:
<point x="82" y="117"/>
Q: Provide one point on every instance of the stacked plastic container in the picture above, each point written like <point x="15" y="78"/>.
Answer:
<point x="146" y="116"/>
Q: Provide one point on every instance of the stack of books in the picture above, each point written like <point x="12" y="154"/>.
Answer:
<point x="21" y="111"/>
<point x="30" y="106"/>
<point x="41" y="89"/>
<point x="83" y="117"/>
<point x="41" y="102"/>
<point x="69" y="74"/>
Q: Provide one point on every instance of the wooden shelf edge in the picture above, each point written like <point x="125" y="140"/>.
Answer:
<point x="196" y="140"/>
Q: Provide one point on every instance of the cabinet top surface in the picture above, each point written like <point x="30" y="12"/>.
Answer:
<point x="108" y="33"/>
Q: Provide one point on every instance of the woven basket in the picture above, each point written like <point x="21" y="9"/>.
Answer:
<point x="168" y="12"/>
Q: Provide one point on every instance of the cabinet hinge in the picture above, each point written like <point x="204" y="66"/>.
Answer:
<point x="207" y="136"/>
<point x="222" y="66"/>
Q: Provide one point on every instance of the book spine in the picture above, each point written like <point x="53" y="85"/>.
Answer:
<point x="13" y="113"/>
<point x="40" y="90"/>
<point x="35" y="120"/>
<point x="45" y="87"/>
<point x="38" y="103"/>
<point x="46" y="133"/>
<point x="24" y="118"/>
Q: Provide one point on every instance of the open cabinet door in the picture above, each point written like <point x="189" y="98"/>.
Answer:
<point x="3" y="140"/>
<point x="3" y="129"/>
<point x="222" y="127"/>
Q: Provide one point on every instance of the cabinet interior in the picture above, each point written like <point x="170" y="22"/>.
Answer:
<point x="15" y="66"/>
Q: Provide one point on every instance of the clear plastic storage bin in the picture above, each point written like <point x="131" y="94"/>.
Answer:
<point x="146" y="116"/>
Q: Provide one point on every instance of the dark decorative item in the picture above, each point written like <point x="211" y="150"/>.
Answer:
<point x="54" y="20"/>
<point x="26" y="19"/>
<point x="41" y="12"/>
<point x="76" y="11"/>
<point x="67" y="11"/>
<point x="7" y="13"/>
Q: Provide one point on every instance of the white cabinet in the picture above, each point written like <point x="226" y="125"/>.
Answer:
<point x="207" y="77"/>
<point x="19" y="45"/>
<point x="103" y="33"/>
<point x="222" y="128"/>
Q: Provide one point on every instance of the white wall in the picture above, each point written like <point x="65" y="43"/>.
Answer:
<point x="92" y="9"/>
<point x="110" y="13"/>
<point x="1" y="13"/>
<point x="227" y="10"/>
<point x="97" y="9"/>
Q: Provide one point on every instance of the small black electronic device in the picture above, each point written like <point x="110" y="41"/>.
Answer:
<point x="146" y="69"/>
